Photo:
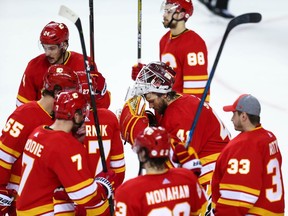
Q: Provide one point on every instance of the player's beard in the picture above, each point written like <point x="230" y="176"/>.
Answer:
<point x="162" y="106"/>
<point x="237" y="125"/>
<point x="169" y="23"/>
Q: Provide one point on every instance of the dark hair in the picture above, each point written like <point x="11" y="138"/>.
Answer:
<point x="254" y="119"/>
<point x="158" y="163"/>
<point x="45" y="92"/>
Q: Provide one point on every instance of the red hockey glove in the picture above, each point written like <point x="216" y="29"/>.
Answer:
<point x="133" y="119"/>
<point x="136" y="69"/>
<point x="187" y="158"/>
<point x="110" y="175"/>
<point x="7" y="197"/>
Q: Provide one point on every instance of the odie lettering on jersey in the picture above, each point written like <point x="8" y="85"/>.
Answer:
<point x="34" y="147"/>
<point x="273" y="147"/>
<point x="91" y="130"/>
<point x="167" y="194"/>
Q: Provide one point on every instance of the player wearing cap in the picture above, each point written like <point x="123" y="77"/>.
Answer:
<point x="53" y="157"/>
<point x="161" y="191"/>
<point x="21" y="123"/>
<point x="54" y="39"/>
<point x="182" y="49"/>
<point x="176" y="113"/>
<point x="247" y="179"/>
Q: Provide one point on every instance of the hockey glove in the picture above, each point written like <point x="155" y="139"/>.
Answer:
<point x="110" y="175"/>
<point x="7" y="197"/>
<point x="136" y="70"/>
<point x="104" y="189"/>
<point x="187" y="158"/>
<point x="133" y="119"/>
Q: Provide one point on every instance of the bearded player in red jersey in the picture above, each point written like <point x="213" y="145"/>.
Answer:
<point x="247" y="179"/>
<point x="54" y="40"/>
<point x="176" y="113"/>
<point x="182" y="49"/>
<point x="161" y="191"/>
<point x="112" y="144"/>
<point x="21" y="123"/>
<point x="53" y="157"/>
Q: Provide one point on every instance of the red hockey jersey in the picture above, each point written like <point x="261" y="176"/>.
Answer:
<point x="113" y="149"/>
<point x="32" y="80"/>
<point x="247" y="179"/>
<point x="187" y="55"/>
<point x="175" y="192"/>
<point x="210" y="135"/>
<point x="14" y="136"/>
<point x="52" y="159"/>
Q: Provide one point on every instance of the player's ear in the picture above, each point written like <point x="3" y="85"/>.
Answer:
<point x="142" y="155"/>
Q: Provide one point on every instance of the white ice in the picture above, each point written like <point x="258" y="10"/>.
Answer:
<point x="254" y="58"/>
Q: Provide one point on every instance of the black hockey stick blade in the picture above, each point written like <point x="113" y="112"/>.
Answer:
<point x="241" y="19"/>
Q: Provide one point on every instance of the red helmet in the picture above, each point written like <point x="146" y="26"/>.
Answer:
<point x="54" y="33"/>
<point x="155" y="77"/>
<point x="84" y="86"/>
<point x="67" y="103"/>
<point x="155" y="140"/>
<point x="62" y="76"/>
<point x="182" y="5"/>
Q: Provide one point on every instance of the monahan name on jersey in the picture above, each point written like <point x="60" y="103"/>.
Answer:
<point x="167" y="194"/>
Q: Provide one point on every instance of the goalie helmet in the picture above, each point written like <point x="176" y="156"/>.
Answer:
<point x="155" y="77"/>
<point x="67" y="103"/>
<point x="181" y="6"/>
<point x="155" y="140"/>
<point x="61" y="76"/>
<point x="54" y="33"/>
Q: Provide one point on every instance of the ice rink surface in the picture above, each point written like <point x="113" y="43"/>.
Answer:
<point x="254" y="58"/>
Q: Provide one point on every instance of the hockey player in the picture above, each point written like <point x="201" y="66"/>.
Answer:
<point x="182" y="49"/>
<point x="112" y="144"/>
<point x="247" y="179"/>
<point x="53" y="157"/>
<point x="54" y="39"/>
<point x="161" y="191"/>
<point x="21" y="123"/>
<point x="176" y="112"/>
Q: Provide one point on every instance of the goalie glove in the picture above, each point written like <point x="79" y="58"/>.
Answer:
<point x="187" y="158"/>
<point x="133" y="119"/>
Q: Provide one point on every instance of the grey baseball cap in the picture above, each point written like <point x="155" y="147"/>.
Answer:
<point x="245" y="103"/>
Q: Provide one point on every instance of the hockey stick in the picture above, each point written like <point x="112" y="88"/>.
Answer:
<point x="69" y="14"/>
<point x="139" y="48"/>
<point x="91" y="27"/>
<point x="139" y="36"/>
<point x="241" y="19"/>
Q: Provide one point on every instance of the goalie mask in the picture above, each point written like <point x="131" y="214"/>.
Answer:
<point x="155" y="140"/>
<point x="156" y="77"/>
<point x="68" y="103"/>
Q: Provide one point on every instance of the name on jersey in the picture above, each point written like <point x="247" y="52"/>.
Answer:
<point x="167" y="194"/>
<point x="34" y="147"/>
<point x="273" y="147"/>
<point x="91" y="130"/>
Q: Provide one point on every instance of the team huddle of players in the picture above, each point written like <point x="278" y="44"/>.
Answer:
<point x="50" y="148"/>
